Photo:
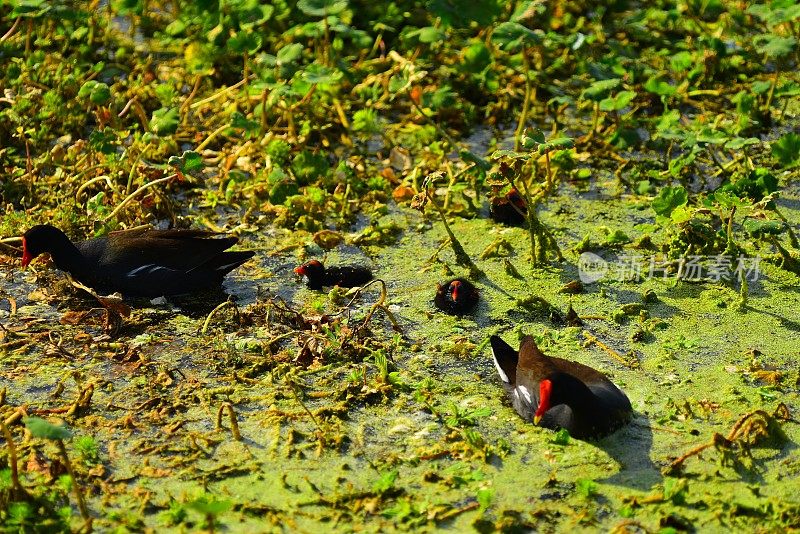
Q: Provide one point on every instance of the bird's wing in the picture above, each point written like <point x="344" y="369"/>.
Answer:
<point x="175" y="233"/>
<point x="584" y="373"/>
<point x="182" y="250"/>
<point x="505" y="360"/>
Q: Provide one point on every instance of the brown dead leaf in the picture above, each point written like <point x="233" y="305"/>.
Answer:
<point x="97" y="471"/>
<point x="773" y="378"/>
<point x="328" y="239"/>
<point x="115" y="304"/>
<point x="73" y="317"/>
<point x="390" y="175"/>
<point x="154" y="472"/>
<point x="416" y="95"/>
<point x="37" y="295"/>
<point x="37" y="463"/>
<point x="402" y="193"/>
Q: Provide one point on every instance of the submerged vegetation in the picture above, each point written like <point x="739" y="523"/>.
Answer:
<point x="646" y="154"/>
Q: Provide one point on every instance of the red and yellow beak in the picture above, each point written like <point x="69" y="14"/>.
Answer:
<point x="455" y="285"/>
<point x="27" y="257"/>
<point x="300" y="270"/>
<point x="545" y="389"/>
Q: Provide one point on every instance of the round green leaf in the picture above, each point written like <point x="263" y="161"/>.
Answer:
<point x="322" y="8"/>
<point x="787" y="149"/>
<point x="659" y="87"/>
<point x="476" y="57"/>
<point x="668" y="199"/>
<point x="188" y="163"/>
<point x="428" y="35"/>
<point x="775" y="46"/>
<point x="165" y="121"/>
<point x="513" y="36"/>
<point x="42" y="429"/>
<point x="96" y="92"/>
<point x="318" y="74"/>
<point x="244" y="42"/>
<point x="600" y="89"/>
<point x="460" y="13"/>
<point x="289" y="53"/>
<point x="210" y="506"/>
<point x="758" y="228"/>
<point x="617" y="102"/>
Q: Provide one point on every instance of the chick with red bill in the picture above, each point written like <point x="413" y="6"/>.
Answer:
<point x="456" y="297"/>
<point x="557" y="393"/>
<point x="509" y="209"/>
<point x="319" y="276"/>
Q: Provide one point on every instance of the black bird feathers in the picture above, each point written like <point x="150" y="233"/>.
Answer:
<point x="576" y="397"/>
<point x="320" y="276"/>
<point x="456" y="297"/>
<point x="140" y="262"/>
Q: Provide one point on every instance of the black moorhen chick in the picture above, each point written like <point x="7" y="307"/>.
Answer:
<point x="139" y="262"/>
<point x="456" y="297"/>
<point x="508" y="209"/>
<point x="557" y="393"/>
<point x="320" y="276"/>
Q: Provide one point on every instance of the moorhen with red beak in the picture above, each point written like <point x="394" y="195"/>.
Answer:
<point x="140" y="262"/>
<point x="557" y="393"/>
<point x="509" y="209"/>
<point x="320" y="276"/>
<point x="456" y="297"/>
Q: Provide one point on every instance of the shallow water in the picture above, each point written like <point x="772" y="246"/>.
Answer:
<point x="160" y="382"/>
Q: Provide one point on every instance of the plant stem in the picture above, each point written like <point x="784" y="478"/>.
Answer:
<point x="220" y="93"/>
<point x="75" y="486"/>
<point x="730" y="247"/>
<point x="595" y="122"/>
<point x="130" y="197"/>
<point x="264" y="124"/>
<point x="245" y="78"/>
<point x="792" y="237"/>
<point x="743" y="292"/>
<point x="211" y="137"/>
<point x="549" y="176"/>
<point x="16" y="487"/>
<point x="207" y="322"/>
<point x="523" y="118"/>
<point x="293" y="386"/>
<point x="462" y="258"/>
<point x="771" y="93"/>
<point x="232" y="415"/>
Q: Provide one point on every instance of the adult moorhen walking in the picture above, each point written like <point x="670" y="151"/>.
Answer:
<point x="557" y="393"/>
<point x="320" y="276"/>
<point x="456" y="297"/>
<point x="139" y="262"/>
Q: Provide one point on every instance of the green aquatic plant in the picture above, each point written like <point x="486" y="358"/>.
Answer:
<point x="211" y="508"/>
<point x="515" y="38"/>
<point x="42" y="429"/>
<point x="534" y="188"/>
<point x="304" y="127"/>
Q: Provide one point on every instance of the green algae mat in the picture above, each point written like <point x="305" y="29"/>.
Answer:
<point x="646" y="156"/>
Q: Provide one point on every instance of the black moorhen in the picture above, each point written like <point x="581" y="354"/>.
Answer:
<point x="139" y="262"/>
<point x="508" y="209"/>
<point x="557" y="393"/>
<point x="320" y="276"/>
<point x="456" y="297"/>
